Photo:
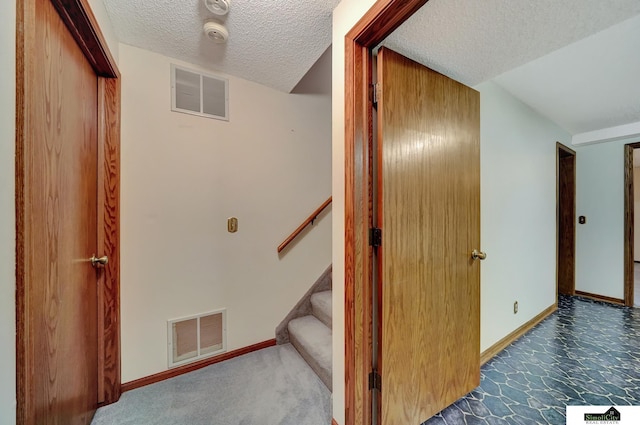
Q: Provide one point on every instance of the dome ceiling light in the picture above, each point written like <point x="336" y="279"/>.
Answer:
<point x="218" y="7"/>
<point x="216" y="32"/>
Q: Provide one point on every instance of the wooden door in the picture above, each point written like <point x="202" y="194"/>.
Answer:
<point x="61" y="229"/>
<point x="566" y="220"/>
<point x="429" y="213"/>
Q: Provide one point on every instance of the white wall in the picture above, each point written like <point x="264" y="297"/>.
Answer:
<point x="518" y="157"/>
<point x="600" y="197"/>
<point x="7" y="214"/>
<point x="518" y="212"/>
<point x="183" y="176"/>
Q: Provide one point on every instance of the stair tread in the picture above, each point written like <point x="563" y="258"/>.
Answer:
<point x="313" y="340"/>
<point x="321" y="306"/>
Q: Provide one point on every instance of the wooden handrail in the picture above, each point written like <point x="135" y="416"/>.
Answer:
<point x="304" y="224"/>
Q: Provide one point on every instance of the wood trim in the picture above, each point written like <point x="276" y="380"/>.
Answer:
<point x="383" y="17"/>
<point x="109" y="239"/>
<point x="496" y="348"/>
<point x="25" y="14"/>
<point x="602" y="298"/>
<point x="82" y="24"/>
<point x="358" y="258"/>
<point x="350" y="231"/>
<point x="309" y="220"/>
<point x="381" y="20"/>
<point x="84" y="28"/>
<point x="566" y="149"/>
<point x="629" y="226"/>
<point x="172" y="373"/>
<point x="333" y="421"/>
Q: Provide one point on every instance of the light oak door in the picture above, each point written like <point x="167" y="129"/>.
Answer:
<point x="61" y="229"/>
<point x="429" y="213"/>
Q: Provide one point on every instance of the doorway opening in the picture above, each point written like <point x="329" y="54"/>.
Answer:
<point x="360" y="232"/>
<point x="566" y="220"/>
<point x="631" y="254"/>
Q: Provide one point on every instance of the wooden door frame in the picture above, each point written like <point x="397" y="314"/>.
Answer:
<point x="560" y="149"/>
<point x="82" y="24"/>
<point x="629" y="225"/>
<point x="380" y="21"/>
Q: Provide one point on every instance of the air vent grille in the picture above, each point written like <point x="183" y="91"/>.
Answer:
<point x="195" y="337"/>
<point x="199" y="94"/>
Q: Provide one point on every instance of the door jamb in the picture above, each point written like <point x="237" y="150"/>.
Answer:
<point x="380" y="21"/>
<point x="84" y="28"/>
<point x="629" y="226"/>
<point x="559" y="149"/>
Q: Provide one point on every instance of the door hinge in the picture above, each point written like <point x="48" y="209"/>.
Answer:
<point x="375" y="381"/>
<point x="375" y="236"/>
<point x="375" y="93"/>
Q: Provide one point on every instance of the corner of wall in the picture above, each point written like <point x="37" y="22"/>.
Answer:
<point x="518" y="142"/>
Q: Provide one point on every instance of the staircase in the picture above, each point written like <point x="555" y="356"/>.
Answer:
<point x="311" y="335"/>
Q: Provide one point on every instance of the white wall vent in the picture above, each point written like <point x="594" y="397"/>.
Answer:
<point x="196" y="337"/>
<point x="195" y="93"/>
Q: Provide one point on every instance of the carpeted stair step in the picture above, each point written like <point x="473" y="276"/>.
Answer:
<point x="321" y="307"/>
<point x="312" y="339"/>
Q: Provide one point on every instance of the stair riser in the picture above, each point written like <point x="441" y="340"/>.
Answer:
<point x="323" y="373"/>
<point x="321" y="307"/>
<point x="323" y="317"/>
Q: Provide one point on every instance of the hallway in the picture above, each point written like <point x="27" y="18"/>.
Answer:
<point x="586" y="353"/>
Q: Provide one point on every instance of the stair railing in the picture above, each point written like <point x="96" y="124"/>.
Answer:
<point x="310" y="220"/>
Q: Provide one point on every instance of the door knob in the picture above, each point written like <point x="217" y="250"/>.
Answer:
<point x="97" y="262"/>
<point x="478" y="255"/>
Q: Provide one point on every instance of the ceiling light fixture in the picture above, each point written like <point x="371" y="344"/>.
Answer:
<point x="219" y="7"/>
<point x="216" y="32"/>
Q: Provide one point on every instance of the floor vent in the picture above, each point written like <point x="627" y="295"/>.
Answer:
<point x="196" y="337"/>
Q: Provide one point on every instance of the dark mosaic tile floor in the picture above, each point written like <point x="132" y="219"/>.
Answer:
<point x="586" y="353"/>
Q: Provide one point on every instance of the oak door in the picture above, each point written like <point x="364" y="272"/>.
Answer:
<point x="61" y="229"/>
<point x="429" y="212"/>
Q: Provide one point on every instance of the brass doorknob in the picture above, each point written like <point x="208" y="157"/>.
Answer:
<point x="97" y="262"/>
<point x="478" y="255"/>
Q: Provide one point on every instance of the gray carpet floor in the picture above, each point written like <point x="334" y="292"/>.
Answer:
<point x="273" y="386"/>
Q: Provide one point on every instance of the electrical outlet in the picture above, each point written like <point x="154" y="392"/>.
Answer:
<point x="515" y="307"/>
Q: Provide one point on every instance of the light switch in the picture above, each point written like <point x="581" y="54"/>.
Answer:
<point x="232" y="224"/>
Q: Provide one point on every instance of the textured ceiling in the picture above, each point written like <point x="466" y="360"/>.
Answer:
<point x="575" y="61"/>
<point x="588" y="85"/>
<point x="474" y="41"/>
<point x="272" y="43"/>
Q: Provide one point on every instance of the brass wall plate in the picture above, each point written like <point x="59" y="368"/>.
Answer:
<point x="232" y="224"/>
